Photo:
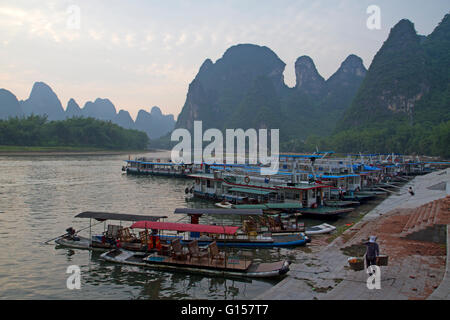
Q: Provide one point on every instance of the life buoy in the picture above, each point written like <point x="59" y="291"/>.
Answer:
<point x="247" y="179"/>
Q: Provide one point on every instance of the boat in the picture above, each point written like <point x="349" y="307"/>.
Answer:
<point x="159" y="167"/>
<point x="227" y="266"/>
<point x="224" y="235"/>
<point x="339" y="203"/>
<point x="224" y="204"/>
<point x="357" y="197"/>
<point x="113" y="235"/>
<point x="325" y="212"/>
<point x="320" y="229"/>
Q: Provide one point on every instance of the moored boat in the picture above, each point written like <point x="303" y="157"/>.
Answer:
<point x="224" y="204"/>
<point x="325" y="212"/>
<point x="320" y="229"/>
<point x="227" y="266"/>
<point x="113" y="235"/>
<point x="225" y="236"/>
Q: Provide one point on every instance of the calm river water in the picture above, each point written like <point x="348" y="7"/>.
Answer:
<point x="39" y="197"/>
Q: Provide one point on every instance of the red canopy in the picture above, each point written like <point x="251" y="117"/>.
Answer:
<point x="183" y="227"/>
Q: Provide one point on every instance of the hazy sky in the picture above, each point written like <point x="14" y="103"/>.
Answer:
<point x="141" y="53"/>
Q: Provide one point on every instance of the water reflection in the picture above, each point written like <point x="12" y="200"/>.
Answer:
<point x="39" y="197"/>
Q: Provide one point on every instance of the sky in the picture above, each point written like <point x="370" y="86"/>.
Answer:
<point x="144" y="53"/>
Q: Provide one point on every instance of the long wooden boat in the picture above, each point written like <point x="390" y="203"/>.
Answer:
<point x="225" y="236"/>
<point x="230" y="266"/>
<point x="108" y="239"/>
<point x="256" y="227"/>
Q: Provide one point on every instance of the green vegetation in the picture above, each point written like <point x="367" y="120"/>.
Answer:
<point x="392" y="136"/>
<point x="403" y="104"/>
<point x="74" y="133"/>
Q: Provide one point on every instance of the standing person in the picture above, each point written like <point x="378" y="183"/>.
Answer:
<point x="411" y="191"/>
<point x="341" y="193"/>
<point x="372" y="251"/>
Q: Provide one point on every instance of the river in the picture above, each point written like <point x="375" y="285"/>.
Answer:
<point x="39" y="197"/>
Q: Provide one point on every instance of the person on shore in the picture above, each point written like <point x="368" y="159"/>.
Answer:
<point x="411" y="191"/>
<point x="372" y="251"/>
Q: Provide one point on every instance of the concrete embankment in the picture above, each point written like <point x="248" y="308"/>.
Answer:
<point x="403" y="225"/>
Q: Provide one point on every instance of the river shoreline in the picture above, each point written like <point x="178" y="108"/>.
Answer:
<point x="49" y="151"/>
<point x="416" y="267"/>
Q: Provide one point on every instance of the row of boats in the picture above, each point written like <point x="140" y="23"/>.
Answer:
<point x="313" y="185"/>
<point x="268" y="209"/>
<point x="192" y="247"/>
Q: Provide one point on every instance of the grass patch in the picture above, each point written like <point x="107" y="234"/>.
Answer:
<point x="356" y="250"/>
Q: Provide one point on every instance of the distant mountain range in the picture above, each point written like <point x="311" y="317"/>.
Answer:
<point x="43" y="101"/>
<point x="409" y="79"/>
<point x="246" y="89"/>
<point x="400" y="104"/>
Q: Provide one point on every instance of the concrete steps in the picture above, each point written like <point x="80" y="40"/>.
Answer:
<point x="422" y="218"/>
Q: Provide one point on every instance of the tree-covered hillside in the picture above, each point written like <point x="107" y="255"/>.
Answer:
<point x="74" y="132"/>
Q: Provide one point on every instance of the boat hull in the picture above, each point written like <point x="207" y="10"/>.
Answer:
<point x="289" y="240"/>
<point x="320" y="229"/>
<point x="130" y="258"/>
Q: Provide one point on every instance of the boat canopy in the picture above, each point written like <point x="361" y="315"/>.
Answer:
<point x="251" y="191"/>
<point x="117" y="216"/>
<point x="184" y="227"/>
<point x="242" y="212"/>
<point x="267" y="206"/>
<point x="326" y="176"/>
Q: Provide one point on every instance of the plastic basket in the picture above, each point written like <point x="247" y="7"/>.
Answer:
<point x="356" y="264"/>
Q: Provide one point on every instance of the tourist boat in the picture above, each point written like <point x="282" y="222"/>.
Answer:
<point x="220" y="264"/>
<point x="245" y="189"/>
<point x="111" y="237"/>
<point x="224" y="235"/>
<point x="160" y="167"/>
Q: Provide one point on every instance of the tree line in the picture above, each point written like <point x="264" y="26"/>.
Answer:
<point x="36" y="130"/>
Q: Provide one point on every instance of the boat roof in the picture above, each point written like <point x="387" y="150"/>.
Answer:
<point x="184" y="227"/>
<point x="251" y="191"/>
<point x="242" y="212"/>
<point x="117" y="216"/>
<point x="266" y="206"/>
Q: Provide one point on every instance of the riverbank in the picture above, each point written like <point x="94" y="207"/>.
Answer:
<point x="64" y="151"/>
<point x="402" y="223"/>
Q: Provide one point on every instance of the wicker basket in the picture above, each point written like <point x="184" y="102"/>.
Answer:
<point x="356" y="264"/>
<point x="382" y="260"/>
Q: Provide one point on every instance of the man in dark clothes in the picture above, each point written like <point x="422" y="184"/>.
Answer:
<point x="372" y="251"/>
<point x="71" y="233"/>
